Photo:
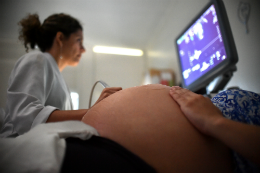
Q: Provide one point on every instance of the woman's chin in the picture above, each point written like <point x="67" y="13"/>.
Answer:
<point x="74" y="63"/>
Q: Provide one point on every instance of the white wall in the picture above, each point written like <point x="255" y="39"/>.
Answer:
<point x="80" y="78"/>
<point x="129" y="71"/>
<point x="161" y="48"/>
<point x="248" y="47"/>
<point x="115" y="70"/>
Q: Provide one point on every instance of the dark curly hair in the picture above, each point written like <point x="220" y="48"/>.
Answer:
<point x="33" y="33"/>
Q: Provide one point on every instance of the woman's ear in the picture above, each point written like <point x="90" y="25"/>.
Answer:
<point x="59" y="38"/>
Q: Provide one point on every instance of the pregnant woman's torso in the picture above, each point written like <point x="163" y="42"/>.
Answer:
<point x="149" y="123"/>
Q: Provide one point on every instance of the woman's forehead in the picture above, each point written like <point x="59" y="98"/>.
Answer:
<point x="78" y="33"/>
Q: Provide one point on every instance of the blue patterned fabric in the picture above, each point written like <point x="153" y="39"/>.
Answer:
<point x="242" y="106"/>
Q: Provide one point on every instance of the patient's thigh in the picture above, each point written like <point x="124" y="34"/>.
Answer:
<point x="148" y="122"/>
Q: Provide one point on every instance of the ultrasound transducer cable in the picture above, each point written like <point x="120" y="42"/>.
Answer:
<point x="103" y="84"/>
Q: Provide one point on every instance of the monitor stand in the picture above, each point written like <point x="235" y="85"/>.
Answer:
<point x="218" y="83"/>
<point x="201" y="91"/>
<point x="221" y="81"/>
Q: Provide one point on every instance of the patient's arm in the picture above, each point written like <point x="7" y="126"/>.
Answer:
<point x="206" y="117"/>
<point x="149" y="123"/>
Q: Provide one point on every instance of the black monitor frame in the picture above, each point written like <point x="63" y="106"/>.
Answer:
<point x="225" y="68"/>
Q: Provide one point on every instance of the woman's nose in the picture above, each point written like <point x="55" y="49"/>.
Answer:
<point x="82" y="49"/>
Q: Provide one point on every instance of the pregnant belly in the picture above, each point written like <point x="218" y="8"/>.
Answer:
<point x="149" y="123"/>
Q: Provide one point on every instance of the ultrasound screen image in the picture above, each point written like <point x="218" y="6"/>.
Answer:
<point x="201" y="47"/>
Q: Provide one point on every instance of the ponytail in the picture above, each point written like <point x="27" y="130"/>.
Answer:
<point x="33" y="33"/>
<point x="29" y="31"/>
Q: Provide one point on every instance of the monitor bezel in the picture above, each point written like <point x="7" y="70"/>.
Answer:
<point x="228" y="40"/>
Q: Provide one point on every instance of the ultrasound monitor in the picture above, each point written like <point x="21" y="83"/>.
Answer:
<point x="206" y="49"/>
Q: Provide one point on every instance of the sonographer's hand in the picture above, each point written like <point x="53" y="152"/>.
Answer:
<point x="199" y="110"/>
<point x="107" y="92"/>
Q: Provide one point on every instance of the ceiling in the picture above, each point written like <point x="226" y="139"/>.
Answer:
<point x="125" y="23"/>
<point x="121" y="23"/>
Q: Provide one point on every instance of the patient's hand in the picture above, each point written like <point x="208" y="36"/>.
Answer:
<point x="199" y="110"/>
<point x="107" y="92"/>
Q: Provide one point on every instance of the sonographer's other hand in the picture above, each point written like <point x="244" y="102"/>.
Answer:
<point x="199" y="110"/>
<point x="107" y="92"/>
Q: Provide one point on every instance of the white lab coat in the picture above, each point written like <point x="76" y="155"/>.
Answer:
<point x="36" y="88"/>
